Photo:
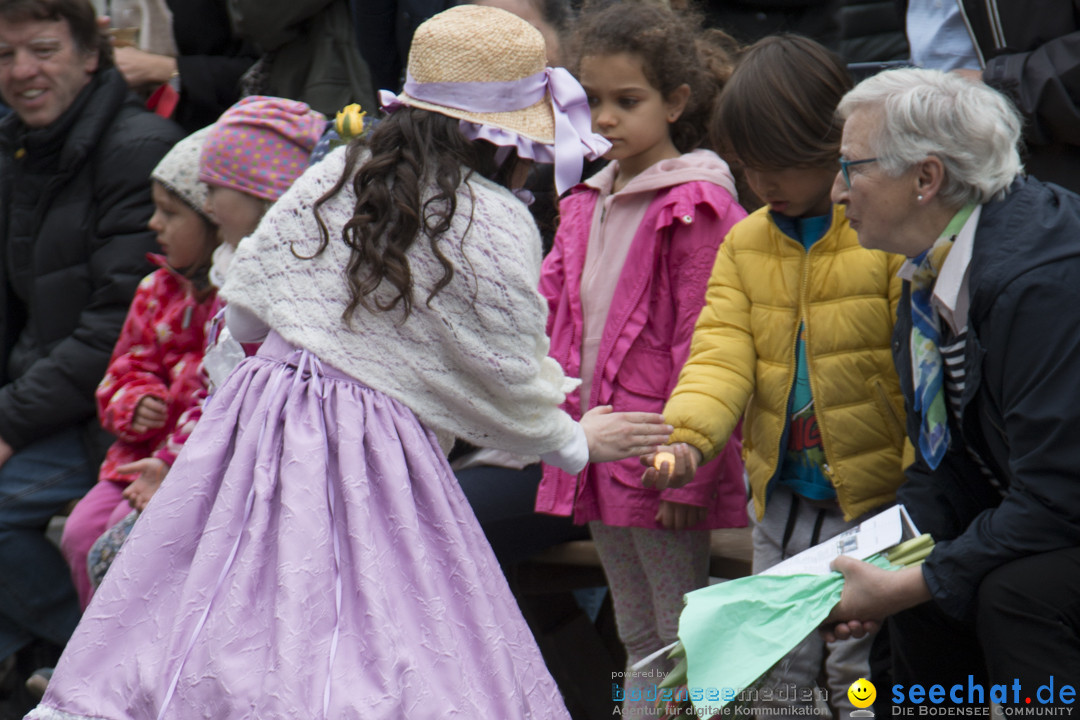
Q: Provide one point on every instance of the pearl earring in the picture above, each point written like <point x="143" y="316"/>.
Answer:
<point x="920" y="198"/>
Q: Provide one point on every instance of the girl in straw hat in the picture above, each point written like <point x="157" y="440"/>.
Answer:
<point x="312" y="555"/>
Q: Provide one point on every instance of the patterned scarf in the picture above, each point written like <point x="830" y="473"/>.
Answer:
<point x="927" y="366"/>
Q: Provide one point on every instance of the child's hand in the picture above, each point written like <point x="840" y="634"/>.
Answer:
<point x="679" y="516"/>
<point x="150" y="414"/>
<point x="618" y="435"/>
<point x="151" y="473"/>
<point x="671" y="474"/>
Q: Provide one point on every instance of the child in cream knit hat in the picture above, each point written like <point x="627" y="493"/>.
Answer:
<point x="154" y="384"/>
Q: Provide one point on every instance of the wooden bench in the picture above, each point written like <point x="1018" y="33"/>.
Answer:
<point x="576" y="564"/>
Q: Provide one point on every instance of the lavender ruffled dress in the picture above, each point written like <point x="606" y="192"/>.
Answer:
<point x="310" y="556"/>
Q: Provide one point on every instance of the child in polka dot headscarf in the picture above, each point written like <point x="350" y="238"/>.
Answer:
<point x="253" y="154"/>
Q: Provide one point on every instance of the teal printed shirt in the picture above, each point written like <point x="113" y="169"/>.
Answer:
<point x="803" y="460"/>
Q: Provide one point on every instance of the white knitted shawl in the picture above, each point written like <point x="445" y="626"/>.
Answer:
<point x="474" y="364"/>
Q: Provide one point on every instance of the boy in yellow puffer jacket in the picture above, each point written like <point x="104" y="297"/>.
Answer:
<point x="796" y="333"/>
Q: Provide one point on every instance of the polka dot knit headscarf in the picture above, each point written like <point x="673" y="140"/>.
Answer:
<point x="260" y="146"/>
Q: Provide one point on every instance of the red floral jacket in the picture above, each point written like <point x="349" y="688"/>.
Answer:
<point x="159" y="353"/>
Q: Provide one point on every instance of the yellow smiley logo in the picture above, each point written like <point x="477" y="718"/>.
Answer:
<point x="862" y="693"/>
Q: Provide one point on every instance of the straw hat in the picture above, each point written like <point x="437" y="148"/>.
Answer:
<point x="472" y="43"/>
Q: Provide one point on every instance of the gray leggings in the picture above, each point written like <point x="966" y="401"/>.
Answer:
<point x="791" y="525"/>
<point x="648" y="572"/>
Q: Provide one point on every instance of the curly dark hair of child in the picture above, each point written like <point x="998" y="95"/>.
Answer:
<point x="778" y="110"/>
<point x="674" y="50"/>
<point x="406" y="189"/>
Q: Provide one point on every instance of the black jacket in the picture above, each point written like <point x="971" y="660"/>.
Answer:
<point x="750" y="20"/>
<point x="211" y="61"/>
<point x="871" y="31"/>
<point x="75" y="200"/>
<point x="310" y="51"/>
<point x="384" y="31"/>
<point x="1034" y="58"/>
<point x="1021" y="400"/>
<point x="1031" y="52"/>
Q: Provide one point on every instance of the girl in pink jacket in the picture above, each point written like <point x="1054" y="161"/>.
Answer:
<point x="625" y="283"/>
<point x="155" y="375"/>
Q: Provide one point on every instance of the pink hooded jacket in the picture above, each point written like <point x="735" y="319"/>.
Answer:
<point x="646" y="340"/>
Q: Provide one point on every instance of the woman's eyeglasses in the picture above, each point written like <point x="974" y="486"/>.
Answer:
<point x="845" y="164"/>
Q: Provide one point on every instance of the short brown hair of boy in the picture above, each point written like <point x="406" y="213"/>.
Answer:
<point x="80" y="17"/>
<point x="778" y="109"/>
<point x="674" y="51"/>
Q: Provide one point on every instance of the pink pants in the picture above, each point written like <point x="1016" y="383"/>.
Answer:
<point x="99" y="510"/>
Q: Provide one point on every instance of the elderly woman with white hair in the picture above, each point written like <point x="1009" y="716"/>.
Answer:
<point x="987" y="347"/>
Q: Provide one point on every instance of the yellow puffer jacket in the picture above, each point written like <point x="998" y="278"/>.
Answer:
<point x="743" y="358"/>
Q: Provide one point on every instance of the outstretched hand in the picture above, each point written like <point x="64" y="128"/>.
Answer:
<point x="619" y="435"/>
<point x="673" y="472"/>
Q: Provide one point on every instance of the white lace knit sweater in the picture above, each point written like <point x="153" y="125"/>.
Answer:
<point x="474" y="364"/>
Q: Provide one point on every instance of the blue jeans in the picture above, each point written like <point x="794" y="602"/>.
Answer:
<point x="37" y="597"/>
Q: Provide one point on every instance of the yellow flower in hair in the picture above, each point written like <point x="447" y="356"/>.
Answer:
<point x="351" y="122"/>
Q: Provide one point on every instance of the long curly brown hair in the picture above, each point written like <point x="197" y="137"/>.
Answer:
<point x="413" y="152"/>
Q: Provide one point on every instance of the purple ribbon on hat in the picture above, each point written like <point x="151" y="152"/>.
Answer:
<point x="573" y="120"/>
